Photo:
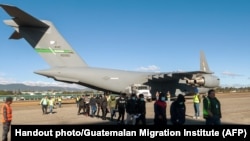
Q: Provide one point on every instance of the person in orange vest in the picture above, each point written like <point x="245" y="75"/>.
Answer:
<point x="6" y="117"/>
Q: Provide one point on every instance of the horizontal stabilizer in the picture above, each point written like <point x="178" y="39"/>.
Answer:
<point x="15" y="35"/>
<point x="21" y="18"/>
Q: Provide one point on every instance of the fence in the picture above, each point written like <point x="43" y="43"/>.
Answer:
<point x="36" y="97"/>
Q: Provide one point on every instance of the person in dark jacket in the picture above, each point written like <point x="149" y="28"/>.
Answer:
<point x="160" y="107"/>
<point x="141" y="110"/>
<point x="121" y="106"/>
<point x="131" y="109"/>
<point x="104" y="106"/>
<point x="178" y="111"/>
<point x="212" y="109"/>
<point x="98" y="102"/>
<point x="81" y="105"/>
<point x="92" y="103"/>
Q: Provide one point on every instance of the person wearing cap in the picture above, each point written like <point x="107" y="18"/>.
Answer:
<point x="160" y="107"/>
<point x="178" y="111"/>
<point x="6" y="117"/>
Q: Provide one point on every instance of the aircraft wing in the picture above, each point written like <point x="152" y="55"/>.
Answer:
<point x="193" y="78"/>
<point x="201" y="78"/>
<point x="177" y="75"/>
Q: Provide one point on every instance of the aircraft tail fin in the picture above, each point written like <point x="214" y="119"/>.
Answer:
<point x="43" y="37"/>
<point x="203" y="63"/>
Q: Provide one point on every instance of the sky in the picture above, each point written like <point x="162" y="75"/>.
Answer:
<point x="136" y="35"/>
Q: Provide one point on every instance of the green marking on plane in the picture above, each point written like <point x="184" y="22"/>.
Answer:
<point x="47" y="50"/>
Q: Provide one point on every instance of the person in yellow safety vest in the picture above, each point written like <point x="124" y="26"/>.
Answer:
<point x="51" y="104"/>
<point x="77" y="101"/>
<point x="44" y="103"/>
<point x="196" y="103"/>
<point x="59" y="99"/>
<point x="212" y="109"/>
<point x="6" y="117"/>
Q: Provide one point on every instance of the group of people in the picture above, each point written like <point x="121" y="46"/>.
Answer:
<point x="50" y="103"/>
<point x="211" y="109"/>
<point x="177" y="110"/>
<point x="134" y="107"/>
<point x="92" y="106"/>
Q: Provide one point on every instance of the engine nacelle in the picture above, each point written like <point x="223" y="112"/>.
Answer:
<point x="190" y="81"/>
<point x="200" y="81"/>
<point x="205" y="80"/>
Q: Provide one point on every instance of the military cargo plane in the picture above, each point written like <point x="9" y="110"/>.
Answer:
<point x="67" y="66"/>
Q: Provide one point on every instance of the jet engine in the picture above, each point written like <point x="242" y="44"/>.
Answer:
<point x="205" y="80"/>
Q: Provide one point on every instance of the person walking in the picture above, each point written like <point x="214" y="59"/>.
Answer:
<point x="51" y="105"/>
<point x="98" y="102"/>
<point x="160" y="108"/>
<point x="92" y="104"/>
<point x="77" y="101"/>
<point x="111" y="105"/>
<point x="44" y="103"/>
<point x="81" y="105"/>
<point x="59" y="99"/>
<point x="212" y="109"/>
<point x="6" y="117"/>
<point x="196" y="102"/>
<point x="178" y="111"/>
<point x="86" y="106"/>
<point x="104" y="106"/>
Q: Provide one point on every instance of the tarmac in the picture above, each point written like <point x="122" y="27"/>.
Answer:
<point x="235" y="111"/>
